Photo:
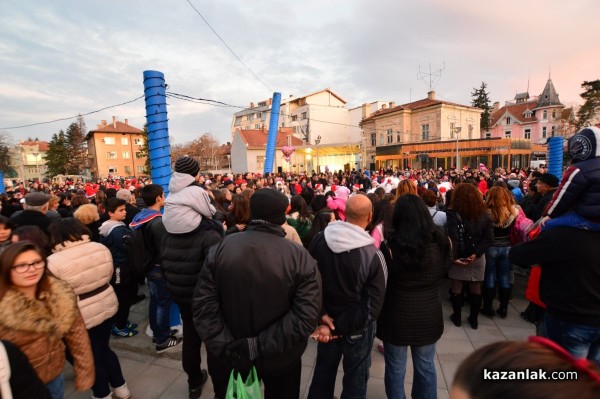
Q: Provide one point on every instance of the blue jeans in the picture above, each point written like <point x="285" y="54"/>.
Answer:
<point x="497" y="267"/>
<point x="424" y="376"/>
<point x="56" y="387"/>
<point x="160" y="305"/>
<point x="571" y="219"/>
<point x="579" y="340"/>
<point x="356" y="350"/>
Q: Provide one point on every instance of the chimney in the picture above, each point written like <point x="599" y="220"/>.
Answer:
<point x="114" y="122"/>
<point x="392" y="104"/>
<point x="103" y="122"/>
<point x="431" y="95"/>
<point x="383" y="106"/>
<point x="251" y="105"/>
<point x="127" y="122"/>
<point x="496" y="105"/>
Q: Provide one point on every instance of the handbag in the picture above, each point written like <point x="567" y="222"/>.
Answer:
<point x="465" y="244"/>
<point x="237" y="388"/>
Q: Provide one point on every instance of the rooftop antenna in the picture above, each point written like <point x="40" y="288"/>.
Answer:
<point x="528" y="78"/>
<point x="433" y="76"/>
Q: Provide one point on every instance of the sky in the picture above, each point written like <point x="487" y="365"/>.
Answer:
<point x="61" y="58"/>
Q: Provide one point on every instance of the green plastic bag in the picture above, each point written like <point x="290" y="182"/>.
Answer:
<point x="238" y="389"/>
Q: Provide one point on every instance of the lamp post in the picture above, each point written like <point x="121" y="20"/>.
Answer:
<point x="456" y="131"/>
<point x="229" y="161"/>
<point x="317" y="141"/>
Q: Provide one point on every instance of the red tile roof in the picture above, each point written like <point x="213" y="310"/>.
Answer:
<point x="258" y="138"/>
<point x="516" y="110"/>
<point x="118" y="127"/>
<point x="42" y="145"/>
<point x="415" y="105"/>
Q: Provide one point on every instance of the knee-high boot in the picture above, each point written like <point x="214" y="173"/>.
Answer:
<point x="475" y="302"/>
<point x="504" y="294"/>
<point x="457" y="302"/>
<point x="488" y="298"/>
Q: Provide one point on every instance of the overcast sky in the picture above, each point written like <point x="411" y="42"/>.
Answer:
<point x="59" y="58"/>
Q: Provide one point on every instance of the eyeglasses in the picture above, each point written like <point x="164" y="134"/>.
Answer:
<point x="24" y="267"/>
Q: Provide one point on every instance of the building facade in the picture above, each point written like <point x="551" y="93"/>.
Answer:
<point x="28" y="159"/>
<point x="115" y="149"/>
<point x="398" y="136"/>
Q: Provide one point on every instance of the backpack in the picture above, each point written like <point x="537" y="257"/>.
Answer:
<point x="465" y="244"/>
<point x="138" y="258"/>
<point x="521" y="228"/>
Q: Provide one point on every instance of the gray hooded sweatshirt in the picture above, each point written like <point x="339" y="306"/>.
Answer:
<point x="186" y="204"/>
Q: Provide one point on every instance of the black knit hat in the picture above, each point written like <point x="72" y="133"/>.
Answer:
<point x="187" y="165"/>
<point x="549" y="179"/>
<point x="268" y="205"/>
<point x="585" y="144"/>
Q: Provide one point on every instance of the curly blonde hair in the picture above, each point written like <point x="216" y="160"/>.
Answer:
<point x="87" y="213"/>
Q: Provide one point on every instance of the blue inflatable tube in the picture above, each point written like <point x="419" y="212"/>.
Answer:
<point x="159" y="149"/>
<point x="272" y="137"/>
<point x="2" y="188"/>
<point x="555" y="155"/>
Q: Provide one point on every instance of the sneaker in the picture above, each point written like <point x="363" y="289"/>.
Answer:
<point x="130" y="325"/>
<point x="122" y="392"/>
<point x="196" y="393"/>
<point x="170" y="343"/>
<point x="173" y="333"/>
<point x="125" y="332"/>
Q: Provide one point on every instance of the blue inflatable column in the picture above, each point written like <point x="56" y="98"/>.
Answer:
<point x="159" y="150"/>
<point x="2" y="188"/>
<point x="272" y="137"/>
<point x="555" y="155"/>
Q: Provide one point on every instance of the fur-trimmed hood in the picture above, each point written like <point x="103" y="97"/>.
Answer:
<point x="54" y="313"/>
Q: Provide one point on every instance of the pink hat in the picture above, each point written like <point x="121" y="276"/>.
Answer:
<point x="342" y="192"/>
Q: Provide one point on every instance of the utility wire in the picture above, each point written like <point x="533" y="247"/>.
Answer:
<point x="229" y="48"/>
<point x="73" y="117"/>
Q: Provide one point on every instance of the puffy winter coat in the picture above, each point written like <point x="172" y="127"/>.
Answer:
<point x="38" y="326"/>
<point x="87" y="267"/>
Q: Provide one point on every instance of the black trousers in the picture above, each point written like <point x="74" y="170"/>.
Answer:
<point x="277" y="386"/>
<point x="190" y="351"/>
<point x="106" y="362"/>
<point x="126" y="293"/>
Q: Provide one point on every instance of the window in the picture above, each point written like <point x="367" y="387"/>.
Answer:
<point x="112" y="169"/>
<point x="138" y="154"/>
<point x="257" y="126"/>
<point x="260" y="162"/>
<point x="262" y="104"/>
<point x="138" y="141"/>
<point x="544" y="132"/>
<point x="124" y="141"/>
<point x="470" y="131"/>
<point x="109" y="140"/>
<point x="553" y="114"/>
<point x="238" y="121"/>
<point x="488" y="135"/>
<point x="390" y="136"/>
<point x="528" y="114"/>
<point x="381" y="139"/>
<point x="553" y="131"/>
<point x="111" y="155"/>
<point x="32" y="170"/>
<point x="125" y="154"/>
<point x="304" y="115"/>
<point x="294" y="118"/>
<point x="373" y="139"/>
<point x="507" y="134"/>
<point x="259" y="115"/>
<point x="527" y="134"/>
<point x="398" y="137"/>
<point x="425" y="131"/>
<point x="545" y="115"/>
<point x="508" y="120"/>
<point x="452" y="133"/>
<point x="127" y="170"/>
<point x="141" y="169"/>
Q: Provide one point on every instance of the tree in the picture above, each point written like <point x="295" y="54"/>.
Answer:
<point x="204" y="149"/>
<point x="591" y="107"/>
<point x="145" y="151"/>
<point x="482" y="101"/>
<point x="57" y="156"/>
<point x="76" y="147"/>
<point x="5" y="165"/>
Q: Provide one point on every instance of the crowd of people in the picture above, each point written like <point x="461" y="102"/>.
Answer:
<point x="258" y="265"/>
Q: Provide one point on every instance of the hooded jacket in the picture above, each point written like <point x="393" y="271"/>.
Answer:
<point x="354" y="275"/>
<point x="38" y="327"/>
<point x="153" y="232"/>
<point x="112" y="235"/>
<point x="259" y="284"/>
<point x="186" y="204"/>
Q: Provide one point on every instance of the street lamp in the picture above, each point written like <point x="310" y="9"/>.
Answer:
<point x="35" y="154"/>
<point x="456" y="131"/>
<point x="317" y="141"/>
<point x="229" y="161"/>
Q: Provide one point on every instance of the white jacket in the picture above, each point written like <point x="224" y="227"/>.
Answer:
<point x="186" y="204"/>
<point x="87" y="266"/>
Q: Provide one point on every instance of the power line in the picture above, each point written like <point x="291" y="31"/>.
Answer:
<point x="72" y="117"/>
<point x="229" y="48"/>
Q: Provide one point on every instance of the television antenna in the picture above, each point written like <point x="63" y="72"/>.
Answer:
<point x="431" y="78"/>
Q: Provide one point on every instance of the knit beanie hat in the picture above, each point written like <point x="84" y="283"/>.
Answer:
<point x="268" y="205"/>
<point x="549" y="179"/>
<point x="585" y="144"/>
<point x="187" y="165"/>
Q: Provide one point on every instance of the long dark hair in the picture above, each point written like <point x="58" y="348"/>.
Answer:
<point x="413" y="231"/>
<point x="320" y="221"/>
<point x="240" y="209"/>
<point x="67" y="229"/>
<point x="298" y="204"/>
<point x="7" y="261"/>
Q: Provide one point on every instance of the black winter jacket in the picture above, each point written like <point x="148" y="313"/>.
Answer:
<point x="259" y="284"/>
<point x="480" y="230"/>
<point x="182" y="259"/>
